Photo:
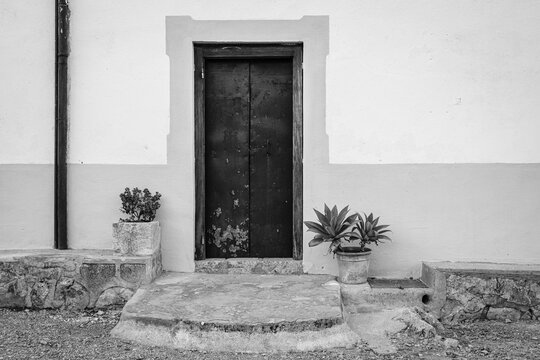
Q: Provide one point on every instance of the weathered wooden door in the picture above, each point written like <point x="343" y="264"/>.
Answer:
<point x="248" y="157"/>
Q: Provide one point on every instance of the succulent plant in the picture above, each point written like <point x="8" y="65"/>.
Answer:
<point x="368" y="231"/>
<point x="334" y="227"/>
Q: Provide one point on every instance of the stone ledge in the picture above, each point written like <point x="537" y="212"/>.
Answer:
<point x="479" y="290"/>
<point x="269" y="266"/>
<point x="485" y="268"/>
<point x="72" y="278"/>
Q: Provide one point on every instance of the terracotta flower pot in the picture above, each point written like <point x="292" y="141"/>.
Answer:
<point x="353" y="265"/>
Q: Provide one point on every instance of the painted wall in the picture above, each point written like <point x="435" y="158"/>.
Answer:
<point x="396" y="94"/>
<point x="414" y="81"/>
<point x="26" y="124"/>
<point x="422" y="111"/>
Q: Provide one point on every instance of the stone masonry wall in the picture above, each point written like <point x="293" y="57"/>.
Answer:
<point x="493" y="297"/>
<point x="72" y="279"/>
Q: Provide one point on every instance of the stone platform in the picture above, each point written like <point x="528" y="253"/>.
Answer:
<point x="480" y="290"/>
<point x="75" y="279"/>
<point x="237" y="313"/>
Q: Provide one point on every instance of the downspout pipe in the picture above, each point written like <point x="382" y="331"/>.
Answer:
<point x="61" y="123"/>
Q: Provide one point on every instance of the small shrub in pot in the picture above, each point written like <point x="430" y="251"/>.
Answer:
<point x="138" y="233"/>
<point x="139" y="206"/>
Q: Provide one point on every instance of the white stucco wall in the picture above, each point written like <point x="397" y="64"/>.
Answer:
<point x="27" y="82"/>
<point x="407" y="81"/>
<point x="412" y="88"/>
<point x="26" y="124"/>
<point x="423" y="85"/>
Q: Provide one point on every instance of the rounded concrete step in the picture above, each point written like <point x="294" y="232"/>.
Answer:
<point x="237" y="312"/>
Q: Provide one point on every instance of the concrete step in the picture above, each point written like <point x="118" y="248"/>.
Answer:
<point x="383" y="294"/>
<point x="237" y="313"/>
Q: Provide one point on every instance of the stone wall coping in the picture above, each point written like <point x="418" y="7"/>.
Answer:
<point x="488" y="268"/>
<point x="87" y="255"/>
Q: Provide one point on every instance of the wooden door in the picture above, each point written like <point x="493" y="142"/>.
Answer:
<point x="248" y="158"/>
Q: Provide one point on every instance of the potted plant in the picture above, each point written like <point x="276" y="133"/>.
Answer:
<point x="348" y="237"/>
<point x="353" y="260"/>
<point x="138" y="233"/>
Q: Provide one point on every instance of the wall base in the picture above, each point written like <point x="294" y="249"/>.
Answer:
<point x="478" y="291"/>
<point x="75" y="279"/>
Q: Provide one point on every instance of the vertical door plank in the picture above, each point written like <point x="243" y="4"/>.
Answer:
<point x="298" y="152"/>
<point x="200" y="247"/>
<point x="227" y="158"/>
<point x="271" y="158"/>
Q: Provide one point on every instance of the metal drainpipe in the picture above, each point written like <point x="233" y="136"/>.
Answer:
<point x="61" y="124"/>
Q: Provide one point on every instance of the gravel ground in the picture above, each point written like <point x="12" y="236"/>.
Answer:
<point x="51" y="334"/>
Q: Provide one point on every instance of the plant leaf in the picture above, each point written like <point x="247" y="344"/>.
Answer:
<point x="313" y="226"/>
<point x="370" y="217"/>
<point x="322" y="218"/>
<point x="327" y="211"/>
<point x="330" y="231"/>
<point x="315" y="242"/>
<point x="342" y="215"/>
<point x="360" y="220"/>
<point x="334" y="211"/>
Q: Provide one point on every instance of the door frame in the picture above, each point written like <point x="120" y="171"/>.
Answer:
<point x="209" y="50"/>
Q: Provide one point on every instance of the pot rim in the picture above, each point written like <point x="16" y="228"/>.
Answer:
<point x="366" y="251"/>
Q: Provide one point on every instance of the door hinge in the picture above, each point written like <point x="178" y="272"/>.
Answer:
<point x="202" y="73"/>
<point x="202" y="240"/>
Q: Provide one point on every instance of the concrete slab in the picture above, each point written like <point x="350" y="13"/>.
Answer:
<point x="237" y="312"/>
<point x="366" y="299"/>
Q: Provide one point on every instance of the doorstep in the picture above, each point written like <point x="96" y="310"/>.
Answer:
<point x="237" y="313"/>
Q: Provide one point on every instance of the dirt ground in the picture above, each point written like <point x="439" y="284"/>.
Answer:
<point x="85" y="335"/>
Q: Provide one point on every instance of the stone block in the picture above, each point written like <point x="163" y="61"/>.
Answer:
<point x="114" y="296"/>
<point x="97" y="275"/>
<point x="136" y="238"/>
<point x="502" y="314"/>
<point x="135" y="273"/>
<point x="39" y="294"/>
<point x="10" y="296"/>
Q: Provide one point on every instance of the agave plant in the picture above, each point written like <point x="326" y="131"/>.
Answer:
<point x="334" y="226"/>
<point x="368" y="231"/>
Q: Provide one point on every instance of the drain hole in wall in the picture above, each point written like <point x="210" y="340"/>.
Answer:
<point x="426" y="299"/>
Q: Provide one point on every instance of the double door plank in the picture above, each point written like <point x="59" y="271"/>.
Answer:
<point x="248" y="158"/>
